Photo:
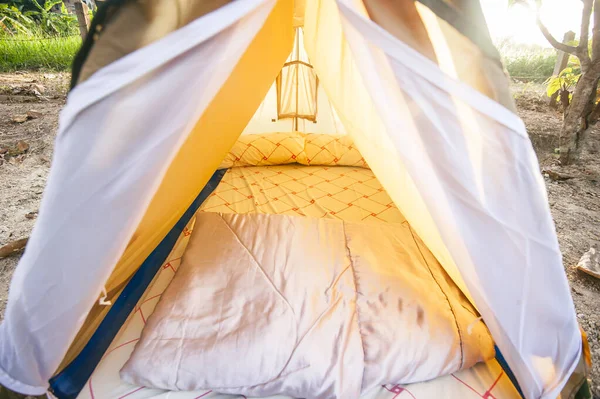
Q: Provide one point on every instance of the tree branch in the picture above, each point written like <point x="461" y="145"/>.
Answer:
<point x="585" y="25"/>
<point x="555" y="43"/>
<point x="596" y="31"/>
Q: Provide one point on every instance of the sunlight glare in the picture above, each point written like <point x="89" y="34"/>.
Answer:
<point x="518" y="22"/>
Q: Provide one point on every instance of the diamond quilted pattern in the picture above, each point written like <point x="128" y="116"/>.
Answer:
<point x="340" y="192"/>
<point x="325" y="149"/>
<point x="265" y="149"/>
<point x="285" y="148"/>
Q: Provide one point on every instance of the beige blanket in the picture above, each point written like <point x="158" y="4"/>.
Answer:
<point x="312" y="308"/>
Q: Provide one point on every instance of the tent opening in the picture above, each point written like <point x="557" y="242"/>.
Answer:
<point x="327" y="199"/>
<point x="296" y="101"/>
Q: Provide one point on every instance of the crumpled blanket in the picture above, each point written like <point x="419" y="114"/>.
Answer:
<point x="311" y="308"/>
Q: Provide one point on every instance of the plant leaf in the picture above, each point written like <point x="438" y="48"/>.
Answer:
<point x="554" y="85"/>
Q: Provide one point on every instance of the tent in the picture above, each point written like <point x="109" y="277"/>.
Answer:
<point x="163" y="89"/>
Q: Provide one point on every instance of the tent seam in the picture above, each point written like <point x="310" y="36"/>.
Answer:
<point x="460" y="339"/>
<point x="356" y="294"/>
<point x="259" y="267"/>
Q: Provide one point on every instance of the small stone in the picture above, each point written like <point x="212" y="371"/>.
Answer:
<point x="575" y="290"/>
<point x="22" y="146"/>
<point x="580" y="315"/>
<point x="34" y="114"/>
<point x="19" y="118"/>
<point x="31" y="215"/>
<point x="41" y="89"/>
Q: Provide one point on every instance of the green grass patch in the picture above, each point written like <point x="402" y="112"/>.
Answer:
<point x="23" y="52"/>
<point x="527" y="62"/>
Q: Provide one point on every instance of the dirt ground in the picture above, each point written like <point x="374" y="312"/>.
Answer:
<point x="27" y="147"/>
<point x="23" y="175"/>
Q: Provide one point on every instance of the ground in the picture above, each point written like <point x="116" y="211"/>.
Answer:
<point x="23" y="176"/>
<point x="27" y="143"/>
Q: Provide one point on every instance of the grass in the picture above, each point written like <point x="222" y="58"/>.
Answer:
<point x="528" y="63"/>
<point x="35" y="53"/>
<point x="523" y="62"/>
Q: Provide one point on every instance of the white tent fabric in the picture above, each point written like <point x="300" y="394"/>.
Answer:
<point x="458" y="165"/>
<point x="477" y="174"/>
<point x="101" y="184"/>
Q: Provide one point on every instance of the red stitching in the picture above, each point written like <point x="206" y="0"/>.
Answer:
<point x="168" y="265"/>
<point x="120" y="346"/>
<point x="488" y="393"/>
<point x="149" y="299"/>
<point x="397" y="389"/>
<point x="204" y="394"/>
<point x="91" y="390"/>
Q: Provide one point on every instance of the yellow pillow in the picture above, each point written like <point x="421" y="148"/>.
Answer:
<point x="285" y="148"/>
<point x="327" y="149"/>
<point x="265" y="149"/>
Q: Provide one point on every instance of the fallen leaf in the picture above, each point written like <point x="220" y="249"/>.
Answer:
<point x="590" y="262"/>
<point x="34" y="114"/>
<point x="31" y="215"/>
<point x="13" y="247"/>
<point x="22" y="146"/>
<point x="556" y="176"/>
<point x="19" y="118"/>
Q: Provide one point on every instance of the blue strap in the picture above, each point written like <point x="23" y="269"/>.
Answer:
<point x="507" y="370"/>
<point x="69" y="382"/>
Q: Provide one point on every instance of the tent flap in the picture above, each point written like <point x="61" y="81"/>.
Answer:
<point x="109" y="161"/>
<point x="460" y="157"/>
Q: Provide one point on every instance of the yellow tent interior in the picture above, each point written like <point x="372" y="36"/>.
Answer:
<point x="298" y="73"/>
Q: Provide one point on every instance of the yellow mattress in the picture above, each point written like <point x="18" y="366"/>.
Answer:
<point x="341" y="192"/>
<point x="346" y="193"/>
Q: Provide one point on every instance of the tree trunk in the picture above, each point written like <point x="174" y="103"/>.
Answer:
<point x="595" y="115"/>
<point x="565" y="99"/>
<point x="577" y="116"/>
